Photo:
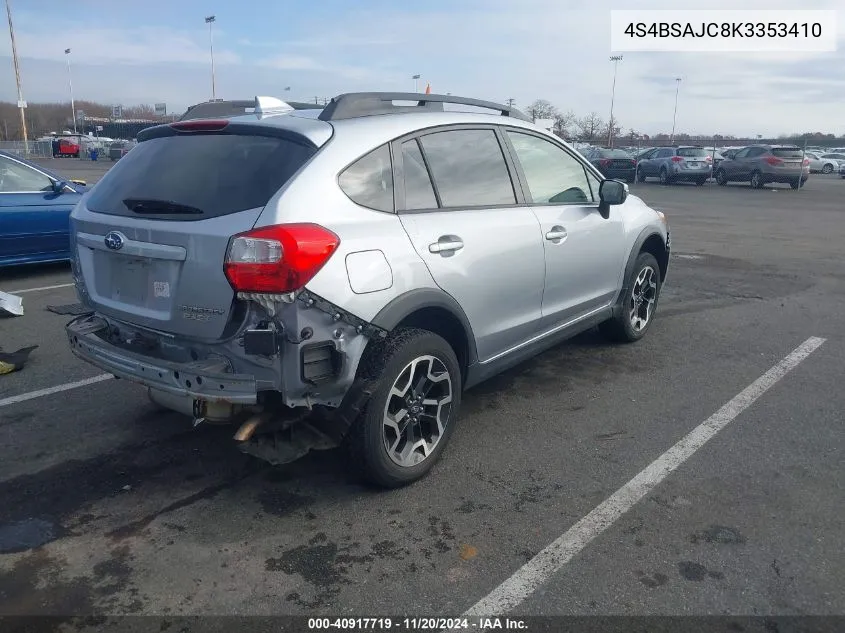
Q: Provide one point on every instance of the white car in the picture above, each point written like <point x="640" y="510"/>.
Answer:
<point x="818" y="163"/>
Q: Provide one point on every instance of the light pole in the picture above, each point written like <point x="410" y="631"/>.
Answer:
<point x="70" y="85"/>
<point x="416" y="79"/>
<point x="21" y="102"/>
<point x="210" y="19"/>
<point x="675" y="115"/>
<point x="615" y="59"/>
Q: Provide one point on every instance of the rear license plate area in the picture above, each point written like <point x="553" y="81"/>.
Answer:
<point x="130" y="280"/>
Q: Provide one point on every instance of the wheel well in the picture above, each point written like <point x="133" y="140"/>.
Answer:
<point x="443" y="323"/>
<point x="655" y="245"/>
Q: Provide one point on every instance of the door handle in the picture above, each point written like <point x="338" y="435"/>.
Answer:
<point x="446" y="244"/>
<point x="556" y="233"/>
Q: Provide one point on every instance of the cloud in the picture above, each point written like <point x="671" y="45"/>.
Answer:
<point x="495" y="49"/>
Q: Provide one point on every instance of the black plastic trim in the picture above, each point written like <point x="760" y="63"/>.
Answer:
<point x="644" y="235"/>
<point x="234" y="129"/>
<point x="406" y="304"/>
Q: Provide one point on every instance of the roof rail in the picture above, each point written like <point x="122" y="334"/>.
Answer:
<point x="359" y="104"/>
<point x="238" y="107"/>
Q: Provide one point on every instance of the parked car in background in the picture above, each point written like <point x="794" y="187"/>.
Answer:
<point x="842" y="170"/>
<point x="119" y="149"/>
<point x="835" y="157"/>
<point x="675" y="164"/>
<point x="824" y="164"/>
<point x="35" y="207"/>
<point x="228" y="269"/>
<point x="762" y="164"/>
<point x="613" y="163"/>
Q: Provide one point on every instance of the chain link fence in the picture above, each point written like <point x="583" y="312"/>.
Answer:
<point x="28" y="149"/>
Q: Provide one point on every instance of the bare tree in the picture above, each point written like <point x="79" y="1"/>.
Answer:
<point x="542" y="109"/>
<point x="590" y="126"/>
<point x="564" y="123"/>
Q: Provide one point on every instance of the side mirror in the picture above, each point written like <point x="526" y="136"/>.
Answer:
<point x="59" y="186"/>
<point x="611" y="192"/>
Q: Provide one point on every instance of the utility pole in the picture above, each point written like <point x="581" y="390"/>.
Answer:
<point x="675" y="115"/>
<point x="70" y="85"/>
<point x="21" y="102"/>
<point x="510" y="102"/>
<point x="416" y="79"/>
<point x="615" y="59"/>
<point x="210" y="19"/>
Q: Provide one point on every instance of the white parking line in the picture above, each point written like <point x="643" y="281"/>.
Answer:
<point x="51" y="390"/>
<point x="25" y="290"/>
<point x="551" y="559"/>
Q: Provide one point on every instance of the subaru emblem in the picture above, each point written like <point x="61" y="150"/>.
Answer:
<point x="114" y="241"/>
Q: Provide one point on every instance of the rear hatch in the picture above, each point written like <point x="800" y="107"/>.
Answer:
<point x="617" y="159"/>
<point x="786" y="158"/>
<point x="152" y="236"/>
<point x="695" y="157"/>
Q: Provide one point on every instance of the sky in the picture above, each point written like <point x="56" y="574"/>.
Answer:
<point x="158" y="52"/>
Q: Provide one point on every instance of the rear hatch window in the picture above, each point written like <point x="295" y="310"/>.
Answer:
<point x="198" y="176"/>
<point x="615" y="153"/>
<point x="787" y="152"/>
<point x="692" y="152"/>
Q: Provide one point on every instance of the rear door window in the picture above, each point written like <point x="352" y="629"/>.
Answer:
<point x="369" y="180"/>
<point x="196" y="177"/>
<point x="468" y="168"/>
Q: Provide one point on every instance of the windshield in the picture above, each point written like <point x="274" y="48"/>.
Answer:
<point x="210" y="175"/>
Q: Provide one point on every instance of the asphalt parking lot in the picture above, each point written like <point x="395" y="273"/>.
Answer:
<point x="141" y="514"/>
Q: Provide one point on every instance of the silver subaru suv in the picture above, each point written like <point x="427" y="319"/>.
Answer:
<point x="340" y="275"/>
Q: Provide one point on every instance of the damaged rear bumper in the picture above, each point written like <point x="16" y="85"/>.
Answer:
<point x="199" y="381"/>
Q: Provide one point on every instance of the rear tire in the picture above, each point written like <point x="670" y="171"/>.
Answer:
<point x="828" y="168"/>
<point x="639" y="176"/>
<point x="756" y="180"/>
<point x="700" y="182"/>
<point x="795" y="184"/>
<point x="406" y="424"/>
<point x="637" y="308"/>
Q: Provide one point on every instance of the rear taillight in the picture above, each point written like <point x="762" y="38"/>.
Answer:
<point x="605" y="162"/>
<point x="633" y="162"/>
<point x="806" y="162"/>
<point x="773" y="161"/>
<point x="278" y="259"/>
<point x="709" y="159"/>
<point x="677" y="159"/>
<point x="200" y="125"/>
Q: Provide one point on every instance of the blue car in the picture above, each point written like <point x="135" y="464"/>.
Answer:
<point x="35" y="208"/>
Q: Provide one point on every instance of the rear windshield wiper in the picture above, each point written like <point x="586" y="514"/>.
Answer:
<point x="154" y="207"/>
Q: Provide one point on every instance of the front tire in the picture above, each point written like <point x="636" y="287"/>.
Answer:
<point x="412" y="412"/>
<point x="639" y="304"/>
<point x="639" y="176"/>
<point x="828" y="168"/>
<point x="721" y="177"/>
<point x="664" y="177"/>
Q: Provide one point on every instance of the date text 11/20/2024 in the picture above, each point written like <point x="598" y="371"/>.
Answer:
<point x="416" y="624"/>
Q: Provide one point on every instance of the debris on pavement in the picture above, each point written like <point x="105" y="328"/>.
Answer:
<point x="10" y="303"/>
<point x="126" y="488"/>
<point x="71" y="309"/>
<point x="14" y="361"/>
